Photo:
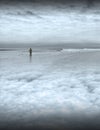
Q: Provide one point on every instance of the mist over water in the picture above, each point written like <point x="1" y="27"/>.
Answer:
<point x="50" y="90"/>
<point x="58" y="86"/>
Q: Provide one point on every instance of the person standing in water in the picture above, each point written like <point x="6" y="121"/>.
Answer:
<point x="30" y="51"/>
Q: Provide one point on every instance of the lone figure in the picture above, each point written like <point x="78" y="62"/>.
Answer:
<point x="30" y="51"/>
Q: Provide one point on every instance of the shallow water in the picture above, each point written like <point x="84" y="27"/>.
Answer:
<point x="50" y="89"/>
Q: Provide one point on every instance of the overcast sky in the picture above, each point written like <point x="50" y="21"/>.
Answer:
<point x="49" y="22"/>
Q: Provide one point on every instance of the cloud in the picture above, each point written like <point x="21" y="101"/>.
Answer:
<point x="24" y="14"/>
<point x="45" y="25"/>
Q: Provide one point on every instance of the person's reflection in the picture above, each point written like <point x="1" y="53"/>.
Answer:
<point x="30" y="59"/>
<point x="30" y="54"/>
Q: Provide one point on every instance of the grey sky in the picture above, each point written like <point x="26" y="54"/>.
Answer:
<point x="38" y="23"/>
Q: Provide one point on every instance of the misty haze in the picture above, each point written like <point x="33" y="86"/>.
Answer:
<point x="50" y="64"/>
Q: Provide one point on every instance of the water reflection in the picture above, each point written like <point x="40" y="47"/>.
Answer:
<point x="30" y="58"/>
